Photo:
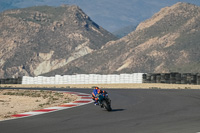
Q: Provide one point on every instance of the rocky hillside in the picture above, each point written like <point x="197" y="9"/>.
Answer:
<point x="37" y="40"/>
<point x="112" y="15"/>
<point x="169" y="41"/>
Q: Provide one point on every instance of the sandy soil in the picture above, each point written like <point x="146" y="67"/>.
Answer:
<point x="19" y="101"/>
<point x="120" y="86"/>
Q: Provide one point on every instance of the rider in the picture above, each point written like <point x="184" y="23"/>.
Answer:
<point x="95" y="92"/>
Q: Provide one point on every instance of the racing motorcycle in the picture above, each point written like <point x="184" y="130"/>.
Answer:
<point x="104" y="101"/>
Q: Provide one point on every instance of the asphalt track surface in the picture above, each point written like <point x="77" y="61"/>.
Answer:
<point x="134" y="111"/>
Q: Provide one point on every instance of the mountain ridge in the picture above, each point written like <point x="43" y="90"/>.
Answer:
<point x="40" y="39"/>
<point x="112" y="15"/>
<point x="167" y="42"/>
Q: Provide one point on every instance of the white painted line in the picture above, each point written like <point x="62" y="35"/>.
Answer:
<point x="33" y="113"/>
<point x="59" y="108"/>
<point x="83" y="100"/>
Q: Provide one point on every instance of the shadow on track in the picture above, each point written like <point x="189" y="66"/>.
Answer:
<point x="116" y="110"/>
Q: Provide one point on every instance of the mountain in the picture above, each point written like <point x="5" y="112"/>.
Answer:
<point x="167" y="42"/>
<point x="40" y="39"/>
<point x="124" y="31"/>
<point x="111" y="15"/>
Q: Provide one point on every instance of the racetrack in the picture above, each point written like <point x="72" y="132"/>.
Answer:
<point x="138" y="111"/>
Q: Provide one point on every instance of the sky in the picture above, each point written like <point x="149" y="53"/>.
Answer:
<point x="110" y="14"/>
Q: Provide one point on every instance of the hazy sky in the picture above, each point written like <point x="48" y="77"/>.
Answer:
<point x="110" y="14"/>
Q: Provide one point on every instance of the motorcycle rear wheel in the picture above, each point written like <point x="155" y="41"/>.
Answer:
<point x="107" y="107"/>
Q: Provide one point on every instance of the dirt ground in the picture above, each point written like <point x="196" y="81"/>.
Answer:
<point x="27" y="101"/>
<point x="110" y="86"/>
<point x="19" y="101"/>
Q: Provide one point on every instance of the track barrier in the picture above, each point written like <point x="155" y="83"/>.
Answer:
<point x="85" y="79"/>
<point x="172" y="78"/>
<point x="167" y="78"/>
<point x="11" y="81"/>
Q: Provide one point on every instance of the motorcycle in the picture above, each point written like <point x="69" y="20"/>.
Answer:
<point x="104" y="101"/>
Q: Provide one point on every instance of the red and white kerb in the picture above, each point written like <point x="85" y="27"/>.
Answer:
<point x="82" y="100"/>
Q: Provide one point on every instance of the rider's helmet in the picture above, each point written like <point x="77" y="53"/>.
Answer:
<point x="96" y="88"/>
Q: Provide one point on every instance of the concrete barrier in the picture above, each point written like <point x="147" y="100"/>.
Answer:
<point x="85" y="79"/>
